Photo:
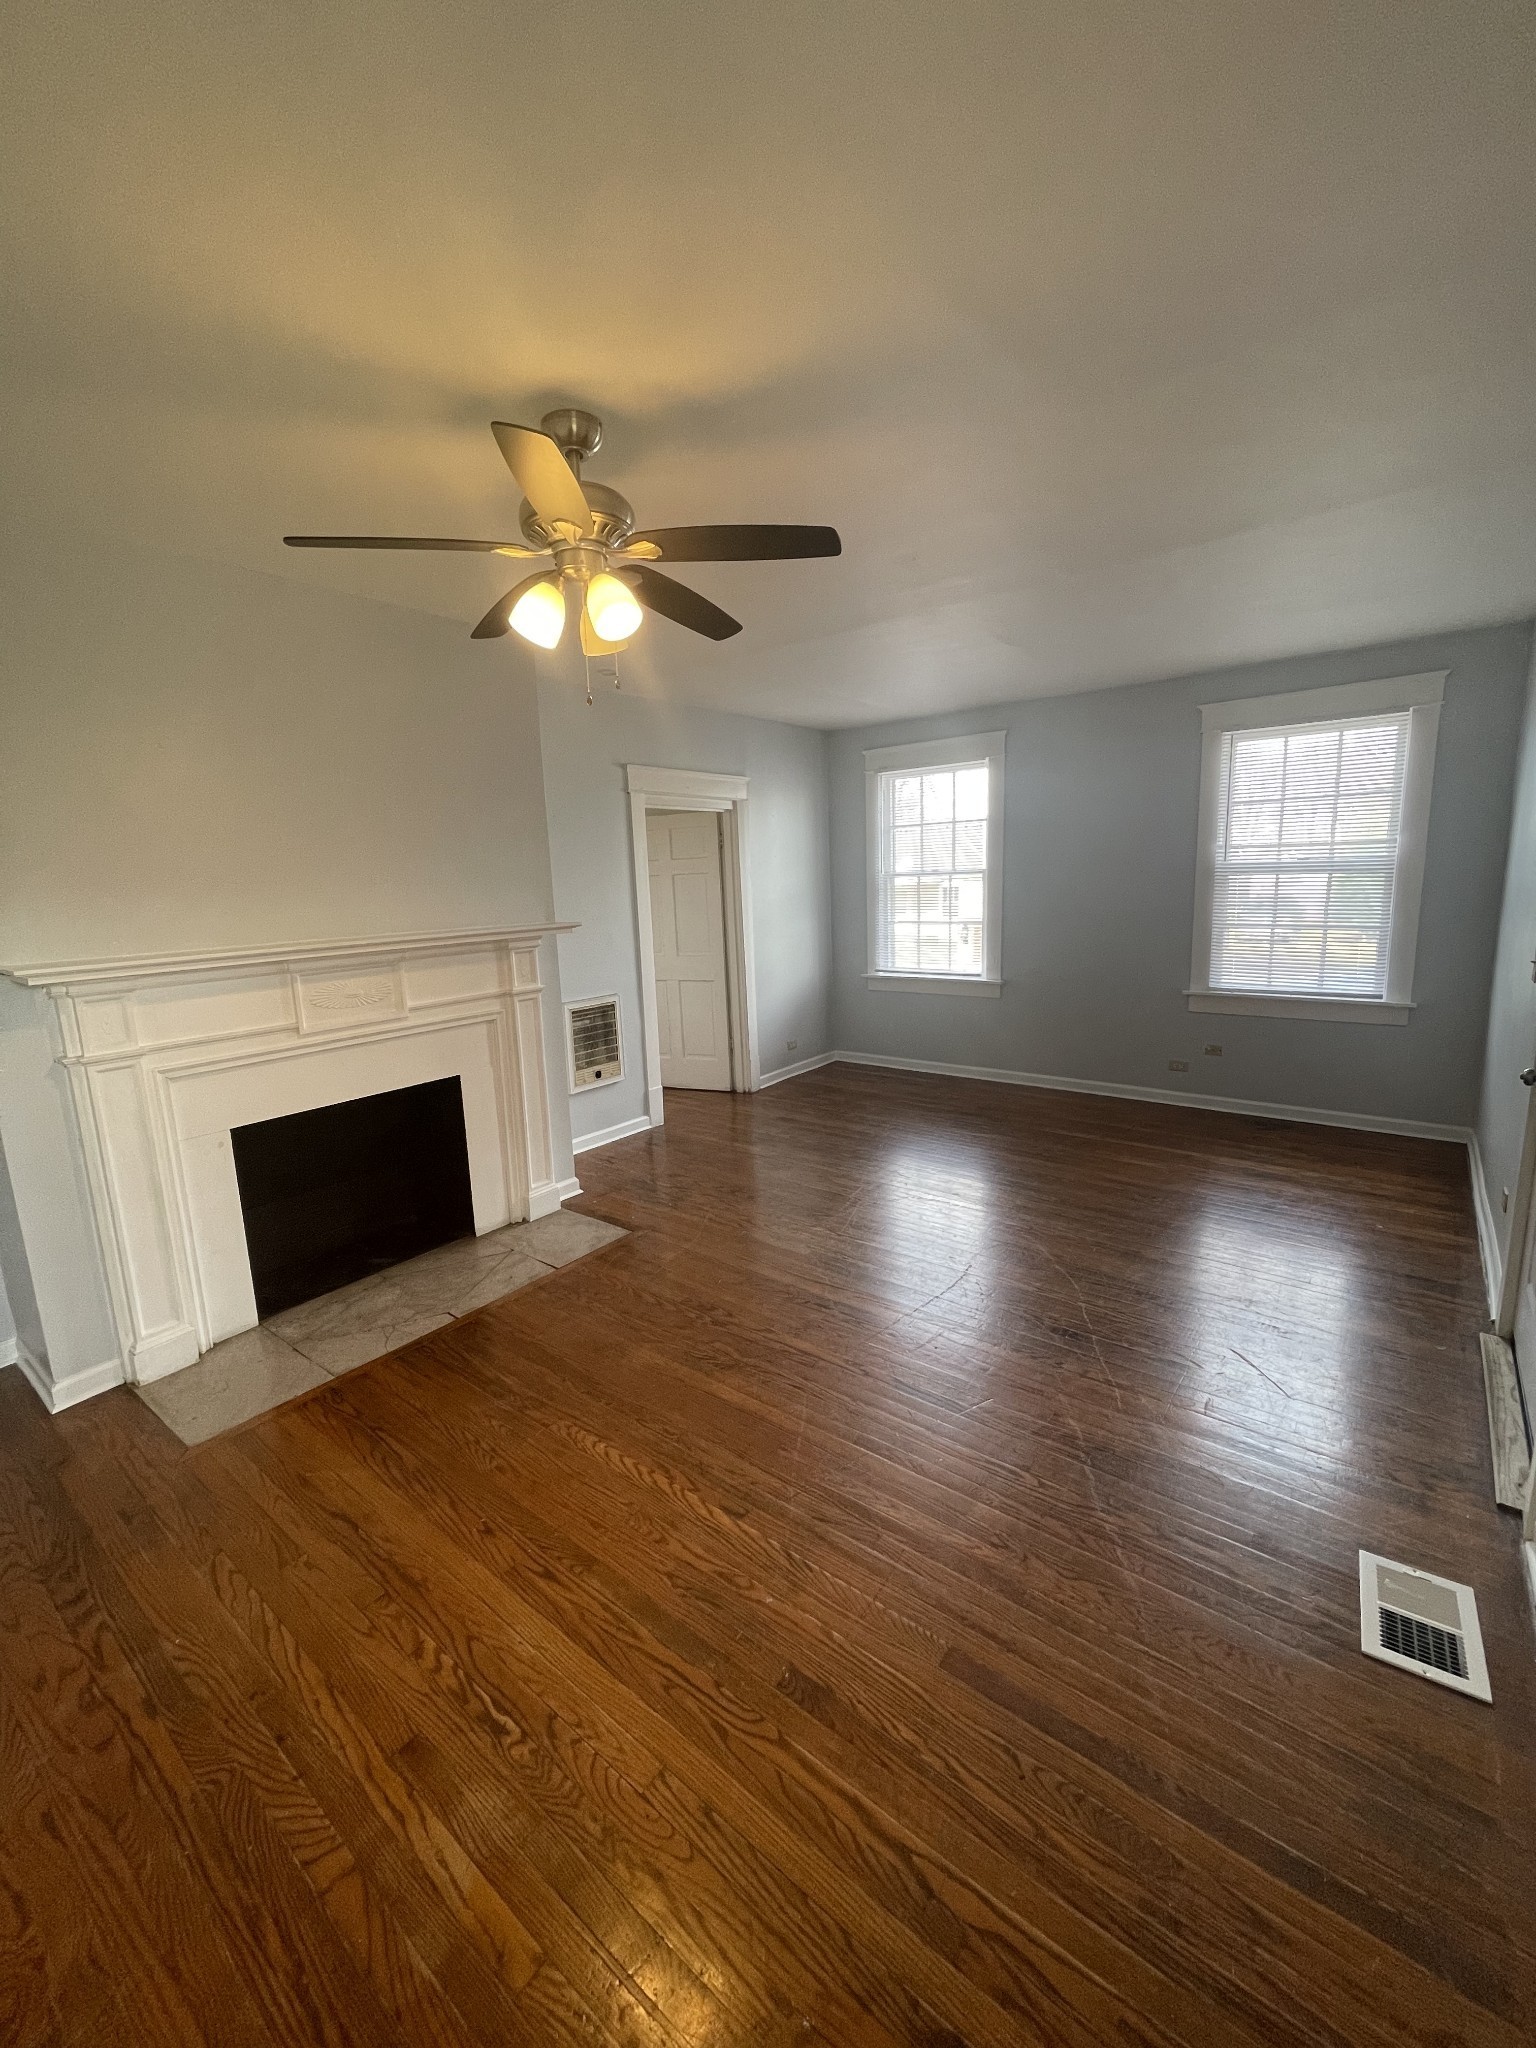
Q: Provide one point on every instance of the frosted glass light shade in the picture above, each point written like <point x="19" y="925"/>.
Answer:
<point x="612" y="608"/>
<point x="539" y="614"/>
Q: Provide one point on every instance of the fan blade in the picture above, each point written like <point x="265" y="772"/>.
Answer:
<point x="741" y="543"/>
<point x="548" y="481"/>
<point x="498" y="619"/>
<point x="677" y="602"/>
<point x="381" y="540"/>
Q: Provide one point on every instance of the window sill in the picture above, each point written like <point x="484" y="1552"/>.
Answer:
<point x="1316" y="1009"/>
<point x="933" y="984"/>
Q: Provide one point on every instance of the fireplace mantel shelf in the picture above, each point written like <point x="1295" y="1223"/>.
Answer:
<point x="75" y="974"/>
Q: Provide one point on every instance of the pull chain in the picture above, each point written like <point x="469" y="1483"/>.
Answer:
<point x="605" y="665"/>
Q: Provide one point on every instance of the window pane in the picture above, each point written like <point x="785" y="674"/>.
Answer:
<point x="939" y="797"/>
<point x="1298" y="958"/>
<point x="1258" y="767"/>
<point x="1311" y="764"/>
<point x="934" y="900"/>
<point x="969" y="897"/>
<point x="1250" y="896"/>
<point x="1243" y="960"/>
<point x="971" y="846"/>
<point x="1254" y="825"/>
<point x="1301" y="899"/>
<point x="1354" y="959"/>
<point x="907" y="849"/>
<point x="906" y="799"/>
<point x="971" y="792"/>
<point x="938" y="848"/>
<point x="904" y="897"/>
<point x="1368" y="759"/>
<point x="935" y="948"/>
<point x="904" y="952"/>
<point x="1359" y="899"/>
<point x="967" y="950"/>
<point x="1365" y="820"/>
<point x="1306" y="827"/>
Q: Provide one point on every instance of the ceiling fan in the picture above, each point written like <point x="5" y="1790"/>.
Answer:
<point x="587" y="533"/>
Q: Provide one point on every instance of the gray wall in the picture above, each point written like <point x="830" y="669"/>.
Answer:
<point x="1512" y="1008"/>
<point x="197" y="755"/>
<point x="586" y="749"/>
<point x="1098" y="893"/>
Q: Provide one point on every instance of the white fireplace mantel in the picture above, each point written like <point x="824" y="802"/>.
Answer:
<point x="167" y="1053"/>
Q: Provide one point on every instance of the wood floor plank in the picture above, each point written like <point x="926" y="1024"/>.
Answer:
<point x="902" y="1593"/>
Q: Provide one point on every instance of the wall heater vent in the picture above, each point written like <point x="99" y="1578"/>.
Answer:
<point x="593" y="1044"/>
<point x="1422" y="1624"/>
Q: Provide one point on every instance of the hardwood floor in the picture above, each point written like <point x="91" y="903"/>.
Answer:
<point x="903" y="1593"/>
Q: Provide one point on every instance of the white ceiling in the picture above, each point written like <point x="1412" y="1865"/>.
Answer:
<point x="1118" y="340"/>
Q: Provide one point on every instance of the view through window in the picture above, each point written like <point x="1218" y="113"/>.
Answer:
<point x="1309" y="821"/>
<point x="933" y="870"/>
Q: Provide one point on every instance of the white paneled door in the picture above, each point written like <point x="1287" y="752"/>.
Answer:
<point x="688" y="928"/>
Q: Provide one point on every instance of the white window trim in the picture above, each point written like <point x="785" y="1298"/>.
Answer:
<point x="1421" y="697"/>
<point x="953" y="753"/>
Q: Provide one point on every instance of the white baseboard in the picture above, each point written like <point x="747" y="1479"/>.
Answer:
<point x="822" y="1059"/>
<point x="74" y="1387"/>
<point x="1285" y="1112"/>
<point x="1487" y="1231"/>
<point x="7" y="1352"/>
<point x="611" y="1135"/>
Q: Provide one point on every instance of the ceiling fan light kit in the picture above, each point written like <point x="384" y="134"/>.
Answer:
<point x="586" y="532"/>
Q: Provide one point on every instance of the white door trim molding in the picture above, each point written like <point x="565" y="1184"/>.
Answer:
<point x="690" y="789"/>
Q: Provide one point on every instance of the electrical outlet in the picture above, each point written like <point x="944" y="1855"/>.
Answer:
<point x="791" y="1045"/>
<point x="1178" y="1066"/>
<point x="1213" y="1052"/>
<point x="1504" y="1200"/>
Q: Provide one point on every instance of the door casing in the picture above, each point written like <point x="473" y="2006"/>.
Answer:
<point x="690" y="789"/>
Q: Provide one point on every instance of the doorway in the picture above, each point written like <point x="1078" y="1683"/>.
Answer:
<point x="693" y="926"/>
<point x="693" y="1012"/>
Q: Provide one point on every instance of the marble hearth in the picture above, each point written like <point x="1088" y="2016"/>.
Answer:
<point x="303" y="1348"/>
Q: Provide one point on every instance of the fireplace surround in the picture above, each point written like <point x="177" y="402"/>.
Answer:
<point x="121" y="1082"/>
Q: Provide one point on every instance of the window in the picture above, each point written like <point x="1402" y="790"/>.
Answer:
<point x="1313" y="816"/>
<point x="935" y="843"/>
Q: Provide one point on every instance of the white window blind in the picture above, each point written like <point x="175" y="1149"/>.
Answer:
<point x="1309" y="819"/>
<point x="932" y="881"/>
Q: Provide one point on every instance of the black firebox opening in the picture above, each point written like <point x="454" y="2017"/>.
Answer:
<point x="333" y="1194"/>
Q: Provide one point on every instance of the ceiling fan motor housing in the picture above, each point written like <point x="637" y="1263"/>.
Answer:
<point x="613" y="520"/>
<point x="578" y="434"/>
